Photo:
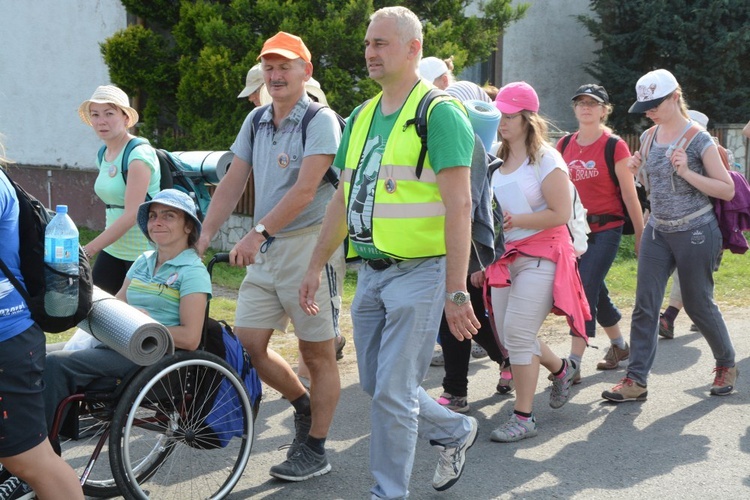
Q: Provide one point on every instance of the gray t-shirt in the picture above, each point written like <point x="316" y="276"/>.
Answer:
<point x="277" y="155"/>
<point x="672" y="197"/>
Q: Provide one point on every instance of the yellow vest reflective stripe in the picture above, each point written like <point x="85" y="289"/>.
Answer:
<point x="408" y="219"/>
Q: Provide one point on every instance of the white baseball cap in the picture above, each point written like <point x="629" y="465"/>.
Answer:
<point x="652" y="88"/>
<point x="431" y="68"/>
<point x="253" y="81"/>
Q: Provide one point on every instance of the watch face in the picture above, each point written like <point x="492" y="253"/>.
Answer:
<point x="260" y="228"/>
<point x="459" y="298"/>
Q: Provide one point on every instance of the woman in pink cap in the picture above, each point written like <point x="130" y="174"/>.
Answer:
<point x="537" y="272"/>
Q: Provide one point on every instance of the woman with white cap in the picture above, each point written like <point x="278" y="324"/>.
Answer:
<point x="682" y="232"/>
<point x="536" y="271"/>
<point x="170" y="284"/>
<point x="109" y="113"/>
<point x="606" y="198"/>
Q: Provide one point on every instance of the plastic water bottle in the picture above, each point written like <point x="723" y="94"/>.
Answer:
<point x="61" y="265"/>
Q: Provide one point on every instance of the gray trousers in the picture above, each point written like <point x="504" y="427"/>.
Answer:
<point x="693" y="254"/>
<point x="395" y="314"/>
<point x="66" y="372"/>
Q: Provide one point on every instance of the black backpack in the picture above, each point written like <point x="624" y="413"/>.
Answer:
<point x="609" y="157"/>
<point x="33" y="218"/>
<point x="331" y="175"/>
<point x="174" y="174"/>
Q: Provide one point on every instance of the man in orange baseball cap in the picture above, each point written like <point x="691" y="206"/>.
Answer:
<point x="290" y="201"/>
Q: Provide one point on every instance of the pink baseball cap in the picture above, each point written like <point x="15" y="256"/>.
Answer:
<point x="515" y="97"/>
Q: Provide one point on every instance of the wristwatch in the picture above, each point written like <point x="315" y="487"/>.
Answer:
<point x="459" y="298"/>
<point x="260" y="228"/>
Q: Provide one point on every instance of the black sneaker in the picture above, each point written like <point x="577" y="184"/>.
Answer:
<point x="304" y="464"/>
<point x="666" y="329"/>
<point x="4" y="474"/>
<point x="302" y="424"/>
<point x="15" y="489"/>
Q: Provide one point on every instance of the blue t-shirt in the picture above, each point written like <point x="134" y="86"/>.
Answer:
<point x="160" y="293"/>
<point x="15" y="316"/>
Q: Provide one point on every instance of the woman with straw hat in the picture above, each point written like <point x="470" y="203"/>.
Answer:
<point x="109" y="113"/>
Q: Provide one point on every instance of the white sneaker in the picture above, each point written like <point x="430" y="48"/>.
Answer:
<point x="452" y="460"/>
<point x="437" y="357"/>
<point x="477" y="351"/>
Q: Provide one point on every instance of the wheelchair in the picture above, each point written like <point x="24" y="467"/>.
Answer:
<point x="150" y="435"/>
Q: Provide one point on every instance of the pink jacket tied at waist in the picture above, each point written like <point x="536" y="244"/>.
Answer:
<point x="568" y="297"/>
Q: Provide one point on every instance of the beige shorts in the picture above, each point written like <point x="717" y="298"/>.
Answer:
<point x="269" y="294"/>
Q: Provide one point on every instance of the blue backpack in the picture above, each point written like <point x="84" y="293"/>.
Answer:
<point x="223" y="417"/>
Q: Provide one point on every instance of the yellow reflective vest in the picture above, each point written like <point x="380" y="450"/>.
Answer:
<point x="408" y="219"/>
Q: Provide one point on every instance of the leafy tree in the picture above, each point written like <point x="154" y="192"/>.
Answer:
<point x="704" y="43"/>
<point x="187" y="59"/>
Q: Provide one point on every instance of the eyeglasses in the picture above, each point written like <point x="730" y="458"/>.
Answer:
<point x="586" y="104"/>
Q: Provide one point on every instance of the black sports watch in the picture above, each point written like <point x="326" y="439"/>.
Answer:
<point x="459" y="298"/>
<point x="260" y="228"/>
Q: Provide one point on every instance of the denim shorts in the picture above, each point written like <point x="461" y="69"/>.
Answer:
<point x="22" y="420"/>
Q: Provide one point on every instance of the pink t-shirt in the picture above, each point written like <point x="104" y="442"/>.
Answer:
<point x="588" y="171"/>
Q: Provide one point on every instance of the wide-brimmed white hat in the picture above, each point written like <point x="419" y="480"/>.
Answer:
<point x="108" y="94"/>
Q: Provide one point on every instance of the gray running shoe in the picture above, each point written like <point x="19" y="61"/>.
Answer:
<point x="561" y="386"/>
<point x="302" y="424"/>
<point x="304" y="464"/>
<point x="452" y="459"/>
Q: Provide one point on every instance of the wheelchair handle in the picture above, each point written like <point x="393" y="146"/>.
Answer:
<point x="222" y="257"/>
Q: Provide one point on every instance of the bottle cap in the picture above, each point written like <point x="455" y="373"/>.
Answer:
<point x="61" y="209"/>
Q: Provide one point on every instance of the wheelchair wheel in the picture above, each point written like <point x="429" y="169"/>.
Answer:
<point x="159" y="427"/>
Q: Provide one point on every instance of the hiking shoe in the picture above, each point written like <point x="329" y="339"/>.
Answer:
<point x="15" y="489"/>
<point x="452" y="459"/>
<point x="666" y="329"/>
<point x="302" y="424"/>
<point x="477" y="351"/>
<point x="724" y="380"/>
<point x="576" y="378"/>
<point x="613" y="357"/>
<point x="437" y="357"/>
<point x="340" y="343"/>
<point x="505" y="385"/>
<point x="514" y="429"/>
<point x="453" y="403"/>
<point x="561" y="386"/>
<point x="304" y="464"/>
<point x="627" y="390"/>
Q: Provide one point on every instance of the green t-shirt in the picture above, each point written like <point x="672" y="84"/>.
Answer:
<point x="450" y="142"/>
<point x="110" y="187"/>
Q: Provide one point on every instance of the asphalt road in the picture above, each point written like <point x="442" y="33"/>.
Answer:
<point x="681" y="443"/>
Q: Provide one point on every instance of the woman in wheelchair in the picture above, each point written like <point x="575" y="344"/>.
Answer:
<point x="170" y="284"/>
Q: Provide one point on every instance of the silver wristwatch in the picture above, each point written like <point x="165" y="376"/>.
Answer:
<point x="459" y="298"/>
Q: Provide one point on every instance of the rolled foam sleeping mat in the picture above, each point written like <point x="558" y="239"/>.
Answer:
<point x="127" y="330"/>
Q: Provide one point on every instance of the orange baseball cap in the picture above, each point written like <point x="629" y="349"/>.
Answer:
<point x="286" y="45"/>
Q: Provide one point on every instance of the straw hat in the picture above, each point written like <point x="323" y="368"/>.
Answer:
<point x="108" y="94"/>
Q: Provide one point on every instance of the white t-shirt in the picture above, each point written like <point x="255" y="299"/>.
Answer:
<point x="520" y="192"/>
